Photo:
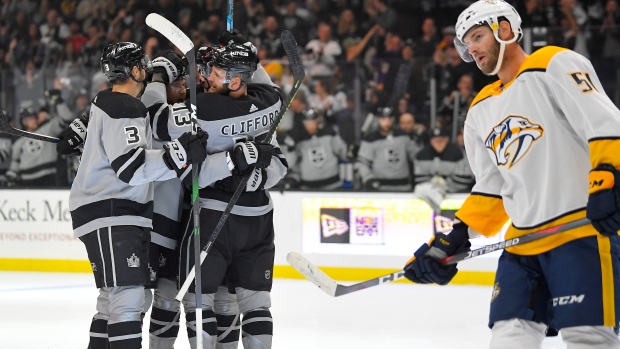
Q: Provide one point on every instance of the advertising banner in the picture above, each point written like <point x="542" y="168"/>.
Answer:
<point x="37" y="224"/>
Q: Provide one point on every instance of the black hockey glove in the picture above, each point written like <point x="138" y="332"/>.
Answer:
<point x="290" y="181"/>
<point x="169" y="65"/>
<point x="603" y="207"/>
<point x="423" y="267"/>
<point x="372" y="184"/>
<point x="186" y="150"/>
<point x="53" y="97"/>
<point x="72" y="139"/>
<point x="255" y="183"/>
<point x="248" y="154"/>
<point x="12" y="179"/>
<point x="226" y="38"/>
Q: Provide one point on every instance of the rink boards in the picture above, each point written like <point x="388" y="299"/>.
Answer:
<point x="352" y="236"/>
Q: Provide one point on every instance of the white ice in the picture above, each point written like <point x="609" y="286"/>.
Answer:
<point x="53" y="311"/>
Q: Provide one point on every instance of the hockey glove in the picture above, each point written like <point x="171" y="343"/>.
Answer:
<point x="290" y="181"/>
<point x="372" y="184"/>
<point x="187" y="149"/>
<point x="255" y="183"/>
<point x="53" y="97"/>
<point x="73" y="137"/>
<point x="226" y="38"/>
<point x="248" y="154"/>
<point x="603" y="207"/>
<point x="12" y="179"/>
<point x="424" y="268"/>
<point x="169" y="65"/>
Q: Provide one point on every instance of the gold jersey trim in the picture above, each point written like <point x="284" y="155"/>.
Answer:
<point x="537" y="61"/>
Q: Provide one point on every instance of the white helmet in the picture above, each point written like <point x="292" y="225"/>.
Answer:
<point x="479" y="13"/>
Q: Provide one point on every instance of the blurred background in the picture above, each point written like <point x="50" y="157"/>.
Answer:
<point x="384" y="100"/>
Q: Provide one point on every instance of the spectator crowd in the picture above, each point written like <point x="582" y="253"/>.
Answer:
<point x="382" y="107"/>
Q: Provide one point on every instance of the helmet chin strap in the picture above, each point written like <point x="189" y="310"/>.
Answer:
<point x="143" y="82"/>
<point x="502" y="48"/>
<point x="500" y="58"/>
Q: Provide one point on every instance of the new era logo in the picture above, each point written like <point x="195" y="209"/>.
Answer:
<point x="253" y="108"/>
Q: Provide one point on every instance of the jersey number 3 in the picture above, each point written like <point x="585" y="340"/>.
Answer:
<point x="133" y="136"/>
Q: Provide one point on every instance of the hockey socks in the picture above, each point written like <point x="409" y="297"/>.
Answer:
<point x="98" y="334"/>
<point x="164" y="328"/>
<point x="228" y="330"/>
<point x="257" y="329"/>
<point x="209" y="327"/>
<point x="125" y="335"/>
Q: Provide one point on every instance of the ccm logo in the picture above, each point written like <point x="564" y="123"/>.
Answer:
<point x="568" y="300"/>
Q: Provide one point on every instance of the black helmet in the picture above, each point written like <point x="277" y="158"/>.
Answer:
<point x="26" y="112"/>
<point x="385" y="112"/>
<point x="311" y="114"/>
<point x="118" y="59"/>
<point x="236" y="60"/>
<point x="204" y="59"/>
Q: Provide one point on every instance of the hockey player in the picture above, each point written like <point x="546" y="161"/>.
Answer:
<point x="33" y="162"/>
<point x="445" y="159"/>
<point x="314" y="152"/>
<point x="534" y="139"/>
<point x="385" y="156"/>
<point x="244" y="111"/>
<point x="111" y="197"/>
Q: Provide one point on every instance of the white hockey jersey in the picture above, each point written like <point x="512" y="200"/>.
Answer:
<point x="531" y="144"/>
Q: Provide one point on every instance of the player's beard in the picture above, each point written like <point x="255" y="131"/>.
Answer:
<point x="492" y="57"/>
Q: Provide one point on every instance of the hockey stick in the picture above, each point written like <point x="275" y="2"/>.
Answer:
<point x="183" y="43"/>
<point x="334" y="289"/>
<point x="5" y="127"/>
<point x="229" y="18"/>
<point x="290" y="47"/>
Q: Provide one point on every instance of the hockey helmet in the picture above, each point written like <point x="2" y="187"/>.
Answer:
<point x="204" y="60"/>
<point x="385" y="112"/>
<point x="118" y="59"/>
<point x="488" y="12"/>
<point x="311" y="114"/>
<point x="236" y="60"/>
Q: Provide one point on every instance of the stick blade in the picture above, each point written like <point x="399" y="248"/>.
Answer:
<point x="170" y="31"/>
<point x="312" y="273"/>
<point x="292" y="52"/>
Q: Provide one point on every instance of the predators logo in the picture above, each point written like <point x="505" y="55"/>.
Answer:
<point x="517" y="130"/>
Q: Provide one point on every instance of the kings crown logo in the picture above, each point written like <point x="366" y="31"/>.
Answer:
<point x="133" y="261"/>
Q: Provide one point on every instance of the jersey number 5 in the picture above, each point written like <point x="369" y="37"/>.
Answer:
<point x="582" y="79"/>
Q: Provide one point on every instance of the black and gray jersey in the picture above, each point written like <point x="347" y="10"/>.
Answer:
<point x="113" y="185"/>
<point x="6" y="144"/>
<point x="315" y="159"/>
<point x="32" y="159"/>
<point x="451" y="164"/>
<point x="387" y="158"/>
<point x="227" y="121"/>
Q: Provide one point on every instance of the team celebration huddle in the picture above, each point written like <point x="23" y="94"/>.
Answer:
<point x="171" y="197"/>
